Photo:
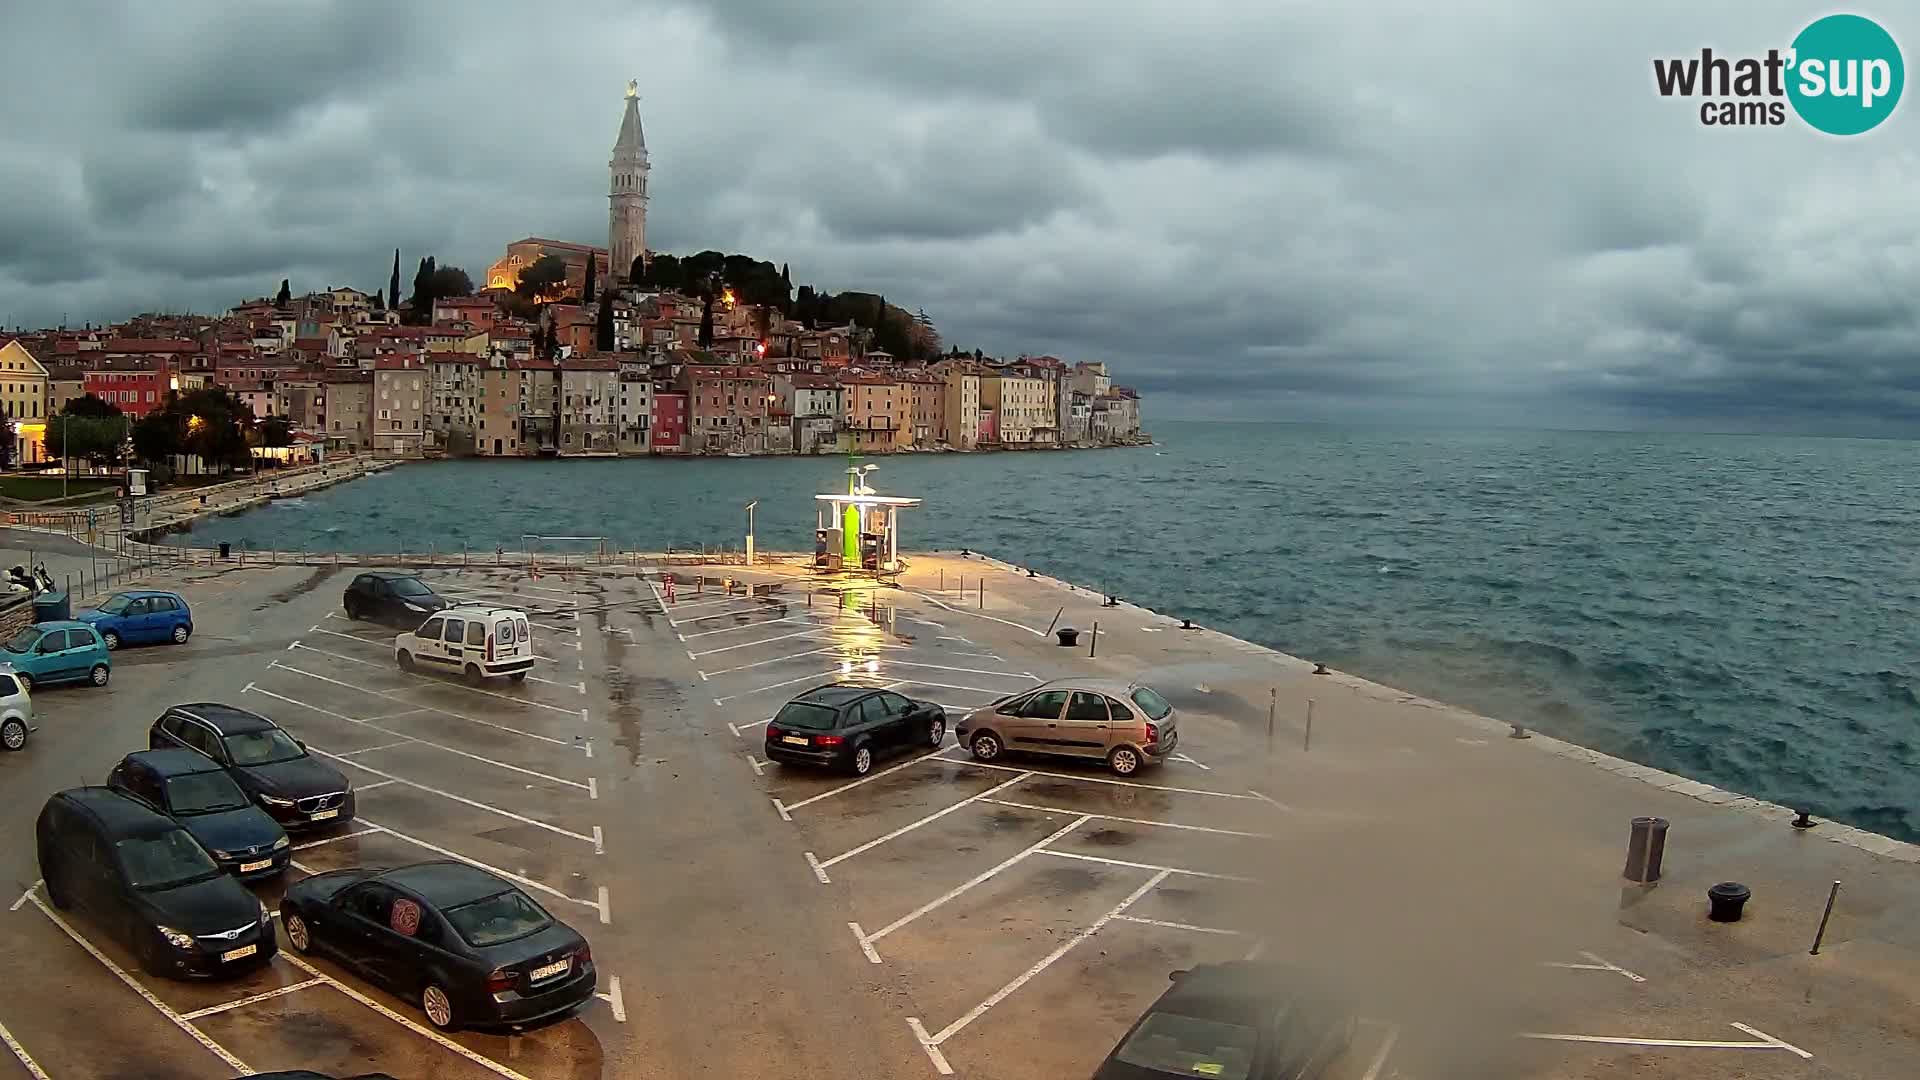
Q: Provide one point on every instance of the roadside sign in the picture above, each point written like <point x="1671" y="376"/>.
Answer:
<point x="126" y="511"/>
<point x="93" y="518"/>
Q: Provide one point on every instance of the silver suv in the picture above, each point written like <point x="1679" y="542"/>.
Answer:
<point x="1126" y="724"/>
<point x="16" y="709"/>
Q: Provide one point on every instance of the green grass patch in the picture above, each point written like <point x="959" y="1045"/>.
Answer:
<point x="42" y="488"/>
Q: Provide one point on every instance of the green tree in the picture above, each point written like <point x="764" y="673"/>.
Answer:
<point x="706" y="319"/>
<point x="9" y="442"/>
<point x="157" y="436"/>
<point x="546" y="277"/>
<point x="94" y="439"/>
<point x="603" y="327"/>
<point x="586" y="291"/>
<point x="275" y="432"/>
<point x="448" y="281"/>
<point x="393" y="283"/>
<point x="215" y="423"/>
<point x="89" y="405"/>
<point x="379" y="300"/>
<point x="284" y="296"/>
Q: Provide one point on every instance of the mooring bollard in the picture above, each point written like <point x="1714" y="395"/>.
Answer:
<point x="1726" y="900"/>
<point x="1068" y="636"/>
<point x="1821" y="933"/>
<point x="1646" y="847"/>
<point x="1804" y="821"/>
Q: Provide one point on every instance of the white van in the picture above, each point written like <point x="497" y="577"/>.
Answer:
<point x="473" y="639"/>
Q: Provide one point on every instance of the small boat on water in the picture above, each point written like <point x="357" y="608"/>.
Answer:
<point x="737" y="453"/>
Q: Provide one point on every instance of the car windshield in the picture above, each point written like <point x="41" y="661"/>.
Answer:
<point x="805" y="716"/>
<point x="22" y="641"/>
<point x="407" y="586"/>
<point x="116" y="604"/>
<point x="1152" y="704"/>
<point x="163" y="861"/>
<point x="262" y="747"/>
<point x="1188" y="1046"/>
<point x="499" y="918"/>
<point x="204" y="793"/>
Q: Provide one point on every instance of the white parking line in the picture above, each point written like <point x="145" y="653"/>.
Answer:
<point x="462" y="799"/>
<point x="715" y="602"/>
<point x="759" y="767"/>
<point x="1767" y="1042"/>
<point x="1143" y="866"/>
<point x="691" y="655"/>
<point x="932" y="1043"/>
<point x="1133" y="820"/>
<point x="556" y="629"/>
<point x="966" y="671"/>
<point x="371" y="749"/>
<point x="26" y="1061"/>
<point x="615" y="1000"/>
<point x="779" y="659"/>
<point x="867" y="940"/>
<point x="935" y="816"/>
<point x="819" y="872"/>
<point x="423" y="742"/>
<point x="249" y="1000"/>
<point x="26" y="895"/>
<point x="479" y="1059"/>
<point x="1386" y="1049"/>
<point x="867" y="779"/>
<point x="716" y="615"/>
<point x="1597" y="964"/>
<point x="775" y="686"/>
<point x="470" y="861"/>
<point x="1190" y="761"/>
<point x="764" y="622"/>
<point x="1092" y="779"/>
<point x="1175" y="925"/>
<point x="454" y="685"/>
<point x="980" y="615"/>
<point x="147" y="995"/>
<point x="389" y="695"/>
<point x="336" y="839"/>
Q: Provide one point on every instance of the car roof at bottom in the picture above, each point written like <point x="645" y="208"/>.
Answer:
<point x="391" y="575"/>
<point x="174" y="762"/>
<point x="119" y="814"/>
<point x="834" y="695"/>
<point x="446" y="884"/>
<point x="62" y="624"/>
<point x="229" y="719"/>
<point x="1238" y="991"/>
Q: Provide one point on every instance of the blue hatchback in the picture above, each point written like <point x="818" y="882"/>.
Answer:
<point x="57" y="652"/>
<point x="140" y="617"/>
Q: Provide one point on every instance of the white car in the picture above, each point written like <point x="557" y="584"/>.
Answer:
<point x="477" y="641"/>
<point x="16" y="709"/>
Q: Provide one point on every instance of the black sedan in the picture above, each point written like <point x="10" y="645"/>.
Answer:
<point x="471" y="948"/>
<point x="1235" y="1021"/>
<point x="150" y="883"/>
<point x="270" y="765"/>
<point x="391" y="598"/>
<point x="206" y="802"/>
<point x="847" y="727"/>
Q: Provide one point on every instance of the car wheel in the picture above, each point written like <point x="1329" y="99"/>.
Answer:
<point x="353" y="610"/>
<point x="474" y="675"/>
<point x="438" y="1006"/>
<point x="13" y="733"/>
<point x="181" y="633"/>
<point x="56" y="895"/>
<point x="299" y="935"/>
<point x="112" y="640"/>
<point x="937" y="732"/>
<point x="862" y="762"/>
<point x="101" y="673"/>
<point x="985" y="746"/>
<point x="406" y="661"/>
<point x="518" y="676"/>
<point x="147" y="949"/>
<point x="1124" y="761"/>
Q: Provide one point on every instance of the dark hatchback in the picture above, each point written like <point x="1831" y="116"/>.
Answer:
<point x="848" y="727"/>
<point x="1236" y="1021"/>
<point x="198" y="794"/>
<point x="271" y="766"/>
<point x="149" y="883"/>
<point x="395" y="599"/>
<point x="470" y="948"/>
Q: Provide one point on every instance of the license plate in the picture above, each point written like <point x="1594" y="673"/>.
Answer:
<point x="250" y="867"/>
<point x="324" y="815"/>
<point x="549" y="971"/>
<point x="797" y="740"/>
<point x="240" y="953"/>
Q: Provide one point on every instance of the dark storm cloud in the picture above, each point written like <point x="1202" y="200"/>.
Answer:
<point x="1479" y="213"/>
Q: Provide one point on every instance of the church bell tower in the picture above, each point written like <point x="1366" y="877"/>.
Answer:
<point x="627" y="195"/>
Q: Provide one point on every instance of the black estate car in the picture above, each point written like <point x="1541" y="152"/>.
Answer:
<point x="845" y="726"/>
<point x="1235" y="1021"/>
<point x="392" y="598"/>
<point x="199" y="794"/>
<point x="150" y="883"/>
<point x="270" y="765"/>
<point x="470" y="947"/>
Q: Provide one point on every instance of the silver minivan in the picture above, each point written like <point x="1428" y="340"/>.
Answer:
<point x="1127" y="725"/>
<point x="473" y="640"/>
<point x="16" y="709"/>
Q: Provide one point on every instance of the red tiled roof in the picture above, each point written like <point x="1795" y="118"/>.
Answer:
<point x="397" y="363"/>
<point x="149" y="345"/>
<point x="589" y="363"/>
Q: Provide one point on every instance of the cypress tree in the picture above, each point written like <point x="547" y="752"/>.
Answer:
<point x="603" y="330"/>
<point x="393" y="283"/>
<point x="586" y="292"/>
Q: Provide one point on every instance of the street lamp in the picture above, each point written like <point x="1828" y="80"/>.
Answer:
<point x="864" y="471"/>
<point x="750" y="507"/>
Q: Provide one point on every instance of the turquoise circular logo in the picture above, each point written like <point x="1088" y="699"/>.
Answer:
<point x="1847" y="75"/>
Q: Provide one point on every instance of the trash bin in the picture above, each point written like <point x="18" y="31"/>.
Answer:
<point x="49" y="606"/>
<point x="1726" y="900"/>
<point x="226" y="549"/>
<point x="1068" y="635"/>
<point x="1646" y="845"/>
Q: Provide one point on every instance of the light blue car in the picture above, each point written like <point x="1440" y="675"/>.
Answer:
<point x="62" y="651"/>
<point x="140" y="617"/>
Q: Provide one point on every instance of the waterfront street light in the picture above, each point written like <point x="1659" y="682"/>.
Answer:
<point x="750" y="507"/>
<point x="864" y="471"/>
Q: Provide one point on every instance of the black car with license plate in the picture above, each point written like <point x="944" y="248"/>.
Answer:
<point x="395" y="599"/>
<point x="469" y="947"/>
<point x="199" y="794"/>
<point x="150" y="884"/>
<point x="848" y="727"/>
<point x="271" y="766"/>
<point x="1236" y="1021"/>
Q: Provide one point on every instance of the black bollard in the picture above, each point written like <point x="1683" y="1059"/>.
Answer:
<point x="1646" y="846"/>
<point x="1068" y="636"/>
<point x="1725" y="901"/>
<point x="1804" y="821"/>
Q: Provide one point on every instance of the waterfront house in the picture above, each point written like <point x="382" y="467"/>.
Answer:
<point x="349" y="407"/>
<point x="64" y="383"/>
<point x="538" y="390"/>
<point x="634" y="415"/>
<point x="400" y="393"/>
<point x="727" y="408"/>
<point x="497" y="423"/>
<point x="453" y="404"/>
<point x="877" y="410"/>
<point x="812" y="404"/>
<point x="24" y="395"/>
<point x="960" y="405"/>
<point x="1023" y="412"/>
<point x="667" y="433"/>
<point x="476" y="311"/>
<point x="926" y="407"/>
<point x="136" y="385"/>
<point x="589" y="409"/>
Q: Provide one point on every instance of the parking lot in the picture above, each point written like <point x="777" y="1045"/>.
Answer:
<point x="501" y="776"/>
<point x="1034" y="907"/>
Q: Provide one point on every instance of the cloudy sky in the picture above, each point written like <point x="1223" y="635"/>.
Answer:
<point x="1385" y="210"/>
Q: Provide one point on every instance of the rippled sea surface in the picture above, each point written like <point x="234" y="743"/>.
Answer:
<point x="1737" y="609"/>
